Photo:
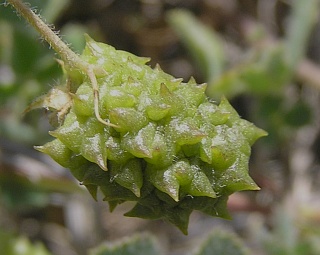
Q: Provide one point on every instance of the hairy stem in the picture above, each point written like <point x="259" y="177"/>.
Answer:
<point x="71" y="59"/>
<point x="67" y="55"/>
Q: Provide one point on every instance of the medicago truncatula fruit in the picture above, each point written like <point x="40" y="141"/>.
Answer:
<point x="166" y="146"/>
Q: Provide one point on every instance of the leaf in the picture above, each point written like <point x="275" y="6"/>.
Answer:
<point x="142" y="244"/>
<point x="221" y="242"/>
<point x="11" y="245"/>
<point x="203" y="43"/>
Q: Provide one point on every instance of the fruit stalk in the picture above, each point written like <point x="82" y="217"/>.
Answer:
<point x="66" y="54"/>
<point x="69" y="58"/>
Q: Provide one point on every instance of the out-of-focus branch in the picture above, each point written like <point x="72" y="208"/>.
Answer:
<point x="305" y="71"/>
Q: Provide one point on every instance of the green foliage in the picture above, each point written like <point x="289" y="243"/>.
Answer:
<point x="20" y="194"/>
<point x="221" y="242"/>
<point x="216" y="243"/>
<point x="304" y="16"/>
<point x="137" y="244"/>
<point x="25" y="68"/>
<point x="291" y="236"/>
<point x="204" y="45"/>
<point x="266" y="71"/>
<point x="11" y="245"/>
<point x="263" y="75"/>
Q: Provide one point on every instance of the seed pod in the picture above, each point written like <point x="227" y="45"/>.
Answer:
<point x="170" y="149"/>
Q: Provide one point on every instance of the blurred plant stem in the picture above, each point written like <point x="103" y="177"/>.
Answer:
<point x="303" y="18"/>
<point x="203" y="43"/>
<point x="67" y="55"/>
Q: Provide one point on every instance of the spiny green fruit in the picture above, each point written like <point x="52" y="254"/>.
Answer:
<point x="169" y="148"/>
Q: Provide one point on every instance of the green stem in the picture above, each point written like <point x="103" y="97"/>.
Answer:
<point x="302" y="20"/>
<point x="70" y="58"/>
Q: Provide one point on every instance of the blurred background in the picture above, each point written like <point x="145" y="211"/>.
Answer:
<point x="263" y="55"/>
